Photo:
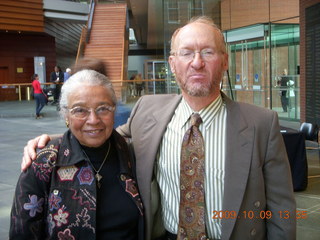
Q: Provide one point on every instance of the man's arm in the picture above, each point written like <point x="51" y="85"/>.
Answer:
<point x="29" y="151"/>
<point x="279" y="189"/>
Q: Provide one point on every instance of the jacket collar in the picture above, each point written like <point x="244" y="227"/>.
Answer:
<point x="71" y="153"/>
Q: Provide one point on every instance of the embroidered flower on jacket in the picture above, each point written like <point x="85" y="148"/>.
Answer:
<point x="85" y="176"/>
<point x="66" y="152"/>
<point x="131" y="187"/>
<point x="61" y="217"/>
<point x="65" y="235"/>
<point x="54" y="201"/>
<point x="34" y="205"/>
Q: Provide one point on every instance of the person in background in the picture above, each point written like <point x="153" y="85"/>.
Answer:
<point x="291" y="94"/>
<point x="81" y="186"/>
<point x="283" y="90"/>
<point x="56" y="77"/>
<point x="139" y="84"/>
<point x="246" y="165"/>
<point x="39" y="95"/>
<point x="131" y="86"/>
<point x="67" y="74"/>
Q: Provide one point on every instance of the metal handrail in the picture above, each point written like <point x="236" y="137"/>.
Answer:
<point x="89" y="24"/>
<point x="29" y="85"/>
<point x="19" y="85"/>
<point x="86" y="31"/>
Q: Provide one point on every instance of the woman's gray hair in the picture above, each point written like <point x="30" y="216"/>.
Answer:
<point x="78" y="80"/>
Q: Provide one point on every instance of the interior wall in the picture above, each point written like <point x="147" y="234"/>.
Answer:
<point x="241" y="13"/>
<point x="17" y="52"/>
<point x="21" y="15"/>
<point x="303" y="71"/>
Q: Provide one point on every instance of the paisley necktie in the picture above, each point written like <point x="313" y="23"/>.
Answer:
<point x="192" y="171"/>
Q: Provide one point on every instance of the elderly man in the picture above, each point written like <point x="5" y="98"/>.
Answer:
<point x="243" y="178"/>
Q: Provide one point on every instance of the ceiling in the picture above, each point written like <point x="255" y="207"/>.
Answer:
<point x="145" y="18"/>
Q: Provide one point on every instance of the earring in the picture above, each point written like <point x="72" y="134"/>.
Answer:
<point x="67" y="123"/>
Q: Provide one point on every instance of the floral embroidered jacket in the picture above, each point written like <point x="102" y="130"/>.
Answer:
<point x="56" y="197"/>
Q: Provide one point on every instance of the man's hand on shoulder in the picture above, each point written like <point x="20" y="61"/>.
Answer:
<point x="29" y="152"/>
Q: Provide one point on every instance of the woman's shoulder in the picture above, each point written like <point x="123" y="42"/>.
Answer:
<point x="49" y="153"/>
<point x="46" y="160"/>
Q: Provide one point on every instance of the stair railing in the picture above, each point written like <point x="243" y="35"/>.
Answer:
<point x="86" y="30"/>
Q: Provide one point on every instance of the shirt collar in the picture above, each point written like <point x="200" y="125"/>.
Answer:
<point x="207" y="114"/>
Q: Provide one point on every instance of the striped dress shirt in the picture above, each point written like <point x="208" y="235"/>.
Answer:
<point x="167" y="172"/>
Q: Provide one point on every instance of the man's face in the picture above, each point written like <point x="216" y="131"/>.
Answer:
<point x="198" y="76"/>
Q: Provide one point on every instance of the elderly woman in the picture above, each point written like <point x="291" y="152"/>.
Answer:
<point x="82" y="185"/>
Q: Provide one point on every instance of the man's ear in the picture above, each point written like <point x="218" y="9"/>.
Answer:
<point x="172" y="63"/>
<point x="225" y="62"/>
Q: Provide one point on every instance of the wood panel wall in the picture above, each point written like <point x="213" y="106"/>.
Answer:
<point x="108" y="40"/>
<point x="303" y="91"/>
<point x="21" y="15"/>
<point x="17" y="52"/>
<point x="241" y="13"/>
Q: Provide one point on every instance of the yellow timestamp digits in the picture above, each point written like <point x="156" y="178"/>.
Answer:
<point x="299" y="214"/>
<point x="223" y="214"/>
<point x="243" y="215"/>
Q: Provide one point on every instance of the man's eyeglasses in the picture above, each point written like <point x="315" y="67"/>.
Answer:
<point x="188" y="55"/>
<point x="83" y="112"/>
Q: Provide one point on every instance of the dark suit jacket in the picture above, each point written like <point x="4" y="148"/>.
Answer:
<point x="257" y="173"/>
<point x="53" y="77"/>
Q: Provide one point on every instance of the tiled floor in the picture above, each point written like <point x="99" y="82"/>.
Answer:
<point x="309" y="201"/>
<point x="17" y="125"/>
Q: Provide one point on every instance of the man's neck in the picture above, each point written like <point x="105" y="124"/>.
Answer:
<point x="198" y="103"/>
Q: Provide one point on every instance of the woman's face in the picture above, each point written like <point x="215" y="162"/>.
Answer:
<point x="94" y="129"/>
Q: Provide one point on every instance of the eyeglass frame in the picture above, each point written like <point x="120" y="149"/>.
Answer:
<point x="110" y="109"/>
<point x="193" y="54"/>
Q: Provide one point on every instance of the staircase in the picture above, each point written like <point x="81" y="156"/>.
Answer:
<point x="108" y="41"/>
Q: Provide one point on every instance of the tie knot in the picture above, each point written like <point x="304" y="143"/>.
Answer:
<point x="196" y="119"/>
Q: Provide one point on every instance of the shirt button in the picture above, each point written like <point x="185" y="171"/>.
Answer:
<point x="257" y="204"/>
<point x="253" y="232"/>
<point x="123" y="177"/>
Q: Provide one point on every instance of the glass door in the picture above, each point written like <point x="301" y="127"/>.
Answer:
<point x="156" y="70"/>
<point x="264" y="76"/>
<point x="248" y="71"/>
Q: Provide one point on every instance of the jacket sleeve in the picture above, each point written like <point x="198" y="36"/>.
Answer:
<point x="125" y="129"/>
<point x="28" y="214"/>
<point x="279" y="189"/>
<point x="52" y="77"/>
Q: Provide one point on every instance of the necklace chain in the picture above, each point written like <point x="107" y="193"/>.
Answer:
<point x="97" y="175"/>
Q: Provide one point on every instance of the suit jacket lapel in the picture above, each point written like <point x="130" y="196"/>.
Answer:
<point x="239" y="146"/>
<point x="150" y="138"/>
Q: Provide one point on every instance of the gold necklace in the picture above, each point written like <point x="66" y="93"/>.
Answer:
<point x="98" y="175"/>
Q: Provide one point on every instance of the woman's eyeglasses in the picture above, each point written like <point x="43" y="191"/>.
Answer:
<point x="83" y="112"/>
